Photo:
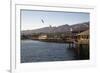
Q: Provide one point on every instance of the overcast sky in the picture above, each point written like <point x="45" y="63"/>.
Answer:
<point x="38" y="19"/>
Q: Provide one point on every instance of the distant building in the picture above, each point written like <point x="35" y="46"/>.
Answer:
<point x="42" y="36"/>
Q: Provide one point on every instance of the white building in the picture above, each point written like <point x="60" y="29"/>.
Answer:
<point x="43" y="36"/>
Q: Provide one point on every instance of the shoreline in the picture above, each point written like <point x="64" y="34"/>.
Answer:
<point x="52" y="40"/>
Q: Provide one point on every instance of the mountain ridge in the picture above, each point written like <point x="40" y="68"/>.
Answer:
<point x="62" y="28"/>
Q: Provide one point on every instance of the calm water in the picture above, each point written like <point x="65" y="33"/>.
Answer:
<point x="37" y="51"/>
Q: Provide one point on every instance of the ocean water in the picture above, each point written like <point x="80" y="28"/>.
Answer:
<point x="38" y="51"/>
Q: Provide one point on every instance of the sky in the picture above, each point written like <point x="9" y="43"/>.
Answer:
<point x="31" y="19"/>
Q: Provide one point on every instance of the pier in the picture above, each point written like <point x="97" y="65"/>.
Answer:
<point x="81" y="45"/>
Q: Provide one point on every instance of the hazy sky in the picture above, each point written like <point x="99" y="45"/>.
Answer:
<point x="38" y="19"/>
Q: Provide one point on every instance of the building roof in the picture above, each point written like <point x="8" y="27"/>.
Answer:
<point x="84" y="33"/>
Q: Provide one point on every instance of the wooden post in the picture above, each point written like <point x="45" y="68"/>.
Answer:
<point x="69" y="45"/>
<point x="78" y="49"/>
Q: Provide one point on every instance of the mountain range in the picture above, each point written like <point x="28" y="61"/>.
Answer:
<point x="60" y="29"/>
